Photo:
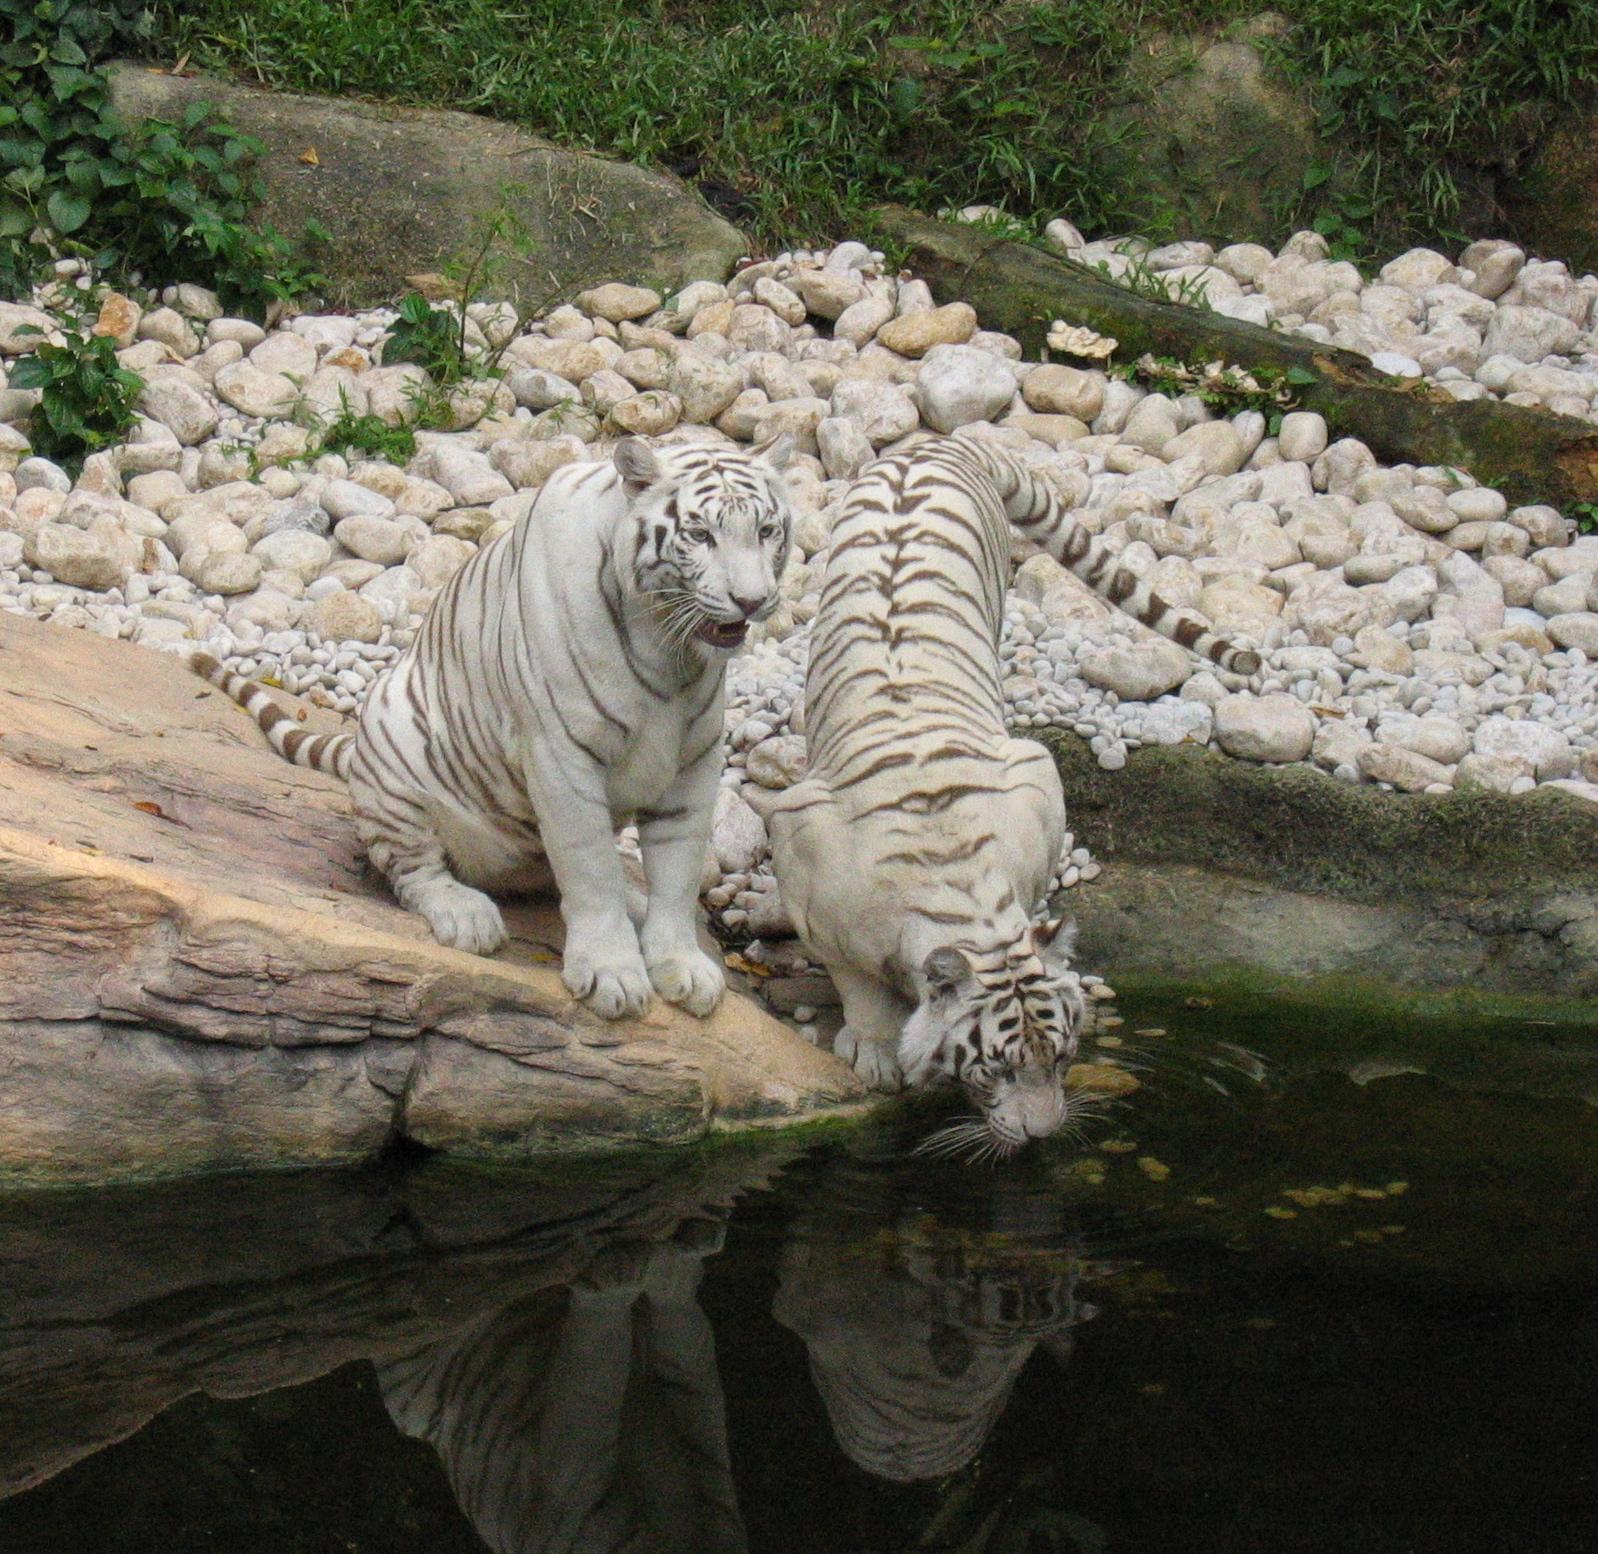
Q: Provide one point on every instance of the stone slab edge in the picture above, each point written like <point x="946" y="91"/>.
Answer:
<point x="265" y="1037"/>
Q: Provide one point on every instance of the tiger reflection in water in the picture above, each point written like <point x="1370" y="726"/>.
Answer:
<point x="915" y="1339"/>
<point x="587" y="1419"/>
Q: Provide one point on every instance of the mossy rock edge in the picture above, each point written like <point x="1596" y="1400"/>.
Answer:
<point x="1216" y="869"/>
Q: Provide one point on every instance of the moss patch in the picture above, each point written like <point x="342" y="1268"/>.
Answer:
<point x="1302" y="830"/>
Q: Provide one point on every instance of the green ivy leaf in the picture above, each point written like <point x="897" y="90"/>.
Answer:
<point x="30" y="373"/>
<point x="68" y="210"/>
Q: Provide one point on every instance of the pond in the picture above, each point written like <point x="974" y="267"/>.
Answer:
<point x="1261" y="1306"/>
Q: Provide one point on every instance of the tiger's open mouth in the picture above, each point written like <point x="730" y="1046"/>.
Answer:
<point x="722" y="634"/>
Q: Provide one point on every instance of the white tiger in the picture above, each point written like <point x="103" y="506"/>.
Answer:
<point x="915" y="850"/>
<point x="567" y="681"/>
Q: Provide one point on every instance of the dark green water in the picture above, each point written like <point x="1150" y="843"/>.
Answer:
<point x="839" y="1348"/>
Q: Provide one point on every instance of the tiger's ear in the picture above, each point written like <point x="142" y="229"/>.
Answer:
<point x="945" y="969"/>
<point x="777" y="452"/>
<point x="1055" y="942"/>
<point x="637" y="465"/>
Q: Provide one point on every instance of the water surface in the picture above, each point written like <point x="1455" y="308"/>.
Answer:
<point x="1260" y="1308"/>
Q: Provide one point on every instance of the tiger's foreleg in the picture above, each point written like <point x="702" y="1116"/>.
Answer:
<point x="602" y="964"/>
<point x="674" y="835"/>
<point x="873" y="1016"/>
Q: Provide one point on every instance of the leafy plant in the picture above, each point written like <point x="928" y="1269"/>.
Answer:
<point x="1585" y="515"/>
<point x="86" y="396"/>
<point x="434" y="338"/>
<point x="163" y="197"/>
<point x="371" y="435"/>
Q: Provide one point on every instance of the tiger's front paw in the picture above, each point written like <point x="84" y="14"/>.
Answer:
<point x="611" y="981"/>
<point x="876" y="1063"/>
<point x="462" y="918"/>
<point x="689" y="978"/>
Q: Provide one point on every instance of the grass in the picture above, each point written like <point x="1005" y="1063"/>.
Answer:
<point x="801" y="114"/>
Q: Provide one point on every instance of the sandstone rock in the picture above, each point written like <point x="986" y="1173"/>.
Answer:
<point x="860" y="321"/>
<point x="1578" y="629"/>
<point x="704" y="386"/>
<point x="914" y="334"/>
<point x="344" y="617"/>
<point x="1546" y="748"/>
<point x="1302" y="436"/>
<point x="198" y="971"/>
<point x="1055" y="390"/>
<point x="383" y="540"/>
<point x="295" y="550"/>
<point x="1500" y="773"/>
<point x="1142" y="672"/>
<point x="616" y="301"/>
<point x="884" y="412"/>
<point x="1217" y="444"/>
<point x="222" y="571"/>
<point x="23" y="329"/>
<point x="779" y="762"/>
<point x="246" y="387"/>
<point x="960" y="384"/>
<point x="648" y="414"/>
<point x="738" y="838"/>
<point x="438" y="558"/>
<point x="843" y="448"/>
<point x="1403" y="768"/>
<point x="1264" y="728"/>
<point x="82" y="558"/>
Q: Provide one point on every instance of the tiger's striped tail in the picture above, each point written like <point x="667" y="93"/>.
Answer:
<point x="1037" y="513"/>
<point x="321" y="752"/>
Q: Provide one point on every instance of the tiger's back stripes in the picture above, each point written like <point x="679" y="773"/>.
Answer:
<point x="915" y="851"/>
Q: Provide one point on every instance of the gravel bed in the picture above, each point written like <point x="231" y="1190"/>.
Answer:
<point x="1417" y="631"/>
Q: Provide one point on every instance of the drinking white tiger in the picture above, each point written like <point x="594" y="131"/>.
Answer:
<point x="568" y="681"/>
<point x="915" y="851"/>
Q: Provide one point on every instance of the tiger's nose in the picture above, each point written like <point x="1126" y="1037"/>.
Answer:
<point x="749" y="606"/>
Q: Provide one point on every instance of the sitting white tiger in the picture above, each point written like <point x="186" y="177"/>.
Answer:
<point x="913" y="853"/>
<point x="567" y="681"/>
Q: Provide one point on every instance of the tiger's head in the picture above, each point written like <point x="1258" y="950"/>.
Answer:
<point x="714" y="532"/>
<point x="1004" y="1024"/>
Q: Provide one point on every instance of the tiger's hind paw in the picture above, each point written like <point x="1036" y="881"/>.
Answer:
<point x="463" y="918"/>
<point x="688" y="978"/>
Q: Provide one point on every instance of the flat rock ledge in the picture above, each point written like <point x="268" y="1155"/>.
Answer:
<point x="403" y="190"/>
<point x="198" y="971"/>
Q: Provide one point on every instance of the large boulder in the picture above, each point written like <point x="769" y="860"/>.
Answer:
<point x="1552" y="205"/>
<point x="197" y="970"/>
<point x="1204" y="137"/>
<point x="402" y="190"/>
